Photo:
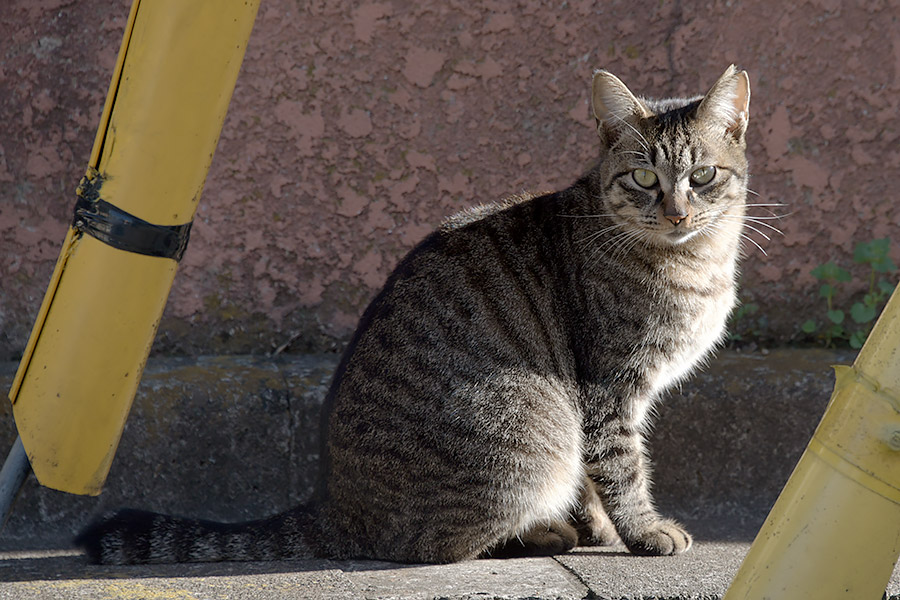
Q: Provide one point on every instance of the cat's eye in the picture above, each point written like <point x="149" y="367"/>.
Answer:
<point x="703" y="175"/>
<point x="644" y="177"/>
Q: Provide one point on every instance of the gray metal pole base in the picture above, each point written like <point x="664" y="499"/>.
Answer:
<point x="12" y="476"/>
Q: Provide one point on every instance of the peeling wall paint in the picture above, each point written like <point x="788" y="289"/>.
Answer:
<point x="356" y="127"/>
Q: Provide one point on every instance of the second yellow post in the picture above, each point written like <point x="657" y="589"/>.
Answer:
<point x="835" y="530"/>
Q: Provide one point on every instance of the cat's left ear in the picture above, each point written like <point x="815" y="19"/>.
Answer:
<point x="727" y="103"/>
<point x="614" y="106"/>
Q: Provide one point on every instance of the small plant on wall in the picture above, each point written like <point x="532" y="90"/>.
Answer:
<point x="850" y="321"/>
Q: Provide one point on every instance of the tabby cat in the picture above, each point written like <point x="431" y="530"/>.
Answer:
<point x="495" y="397"/>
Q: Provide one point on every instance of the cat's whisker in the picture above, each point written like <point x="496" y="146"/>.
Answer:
<point x="642" y="238"/>
<point x="593" y="236"/>
<point x="764" y="224"/>
<point x="600" y="250"/>
<point x="755" y="221"/>
<point x="769" y="217"/>
<point x="758" y="231"/>
<point x="772" y="214"/>
<point x="717" y="228"/>
<point x="620" y="251"/>
<point x="597" y="216"/>
<point x="626" y="240"/>
<point x="632" y="136"/>
<point x="710" y="228"/>
<point x="637" y="237"/>
<point x="767" y="207"/>
<point x="615" y="242"/>
<point x="588" y="241"/>
<point x="752" y="241"/>
<point x="637" y="153"/>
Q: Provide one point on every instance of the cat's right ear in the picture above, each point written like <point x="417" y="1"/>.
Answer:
<point x="727" y="104"/>
<point x="614" y="106"/>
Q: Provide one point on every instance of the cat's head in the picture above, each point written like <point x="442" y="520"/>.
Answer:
<point x="673" y="168"/>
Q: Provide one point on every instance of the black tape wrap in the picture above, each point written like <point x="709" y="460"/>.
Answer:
<point x="112" y="225"/>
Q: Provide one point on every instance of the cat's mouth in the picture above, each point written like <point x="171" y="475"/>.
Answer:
<point x="679" y="235"/>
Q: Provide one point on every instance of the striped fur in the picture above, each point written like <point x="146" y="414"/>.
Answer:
<point x="495" y="397"/>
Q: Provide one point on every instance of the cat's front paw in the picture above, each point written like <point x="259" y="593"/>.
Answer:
<point x="662" y="538"/>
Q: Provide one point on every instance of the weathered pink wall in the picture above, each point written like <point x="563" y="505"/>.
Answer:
<point x="357" y="126"/>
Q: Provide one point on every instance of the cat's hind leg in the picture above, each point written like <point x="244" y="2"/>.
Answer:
<point x="541" y="540"/>
<point x="588" y="525"/>
<point x="498" y="460"/>
<point x="589" y="518"/>
<point x="521" y="516"/>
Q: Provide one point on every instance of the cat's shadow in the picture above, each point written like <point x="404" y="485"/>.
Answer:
<point x="73" y="565"/>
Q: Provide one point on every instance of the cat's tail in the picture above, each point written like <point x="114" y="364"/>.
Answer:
<point x="135" y="536"/>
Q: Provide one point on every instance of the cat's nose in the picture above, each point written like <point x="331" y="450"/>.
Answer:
<point x="676" y="208"/>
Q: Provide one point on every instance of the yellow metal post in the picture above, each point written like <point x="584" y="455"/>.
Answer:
<point x="170" y="91"/>
<point x="835" y="530"/>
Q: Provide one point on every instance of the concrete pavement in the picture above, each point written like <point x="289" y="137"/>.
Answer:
<point x="232" y="438"/>
<point x="588" y="573"/>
